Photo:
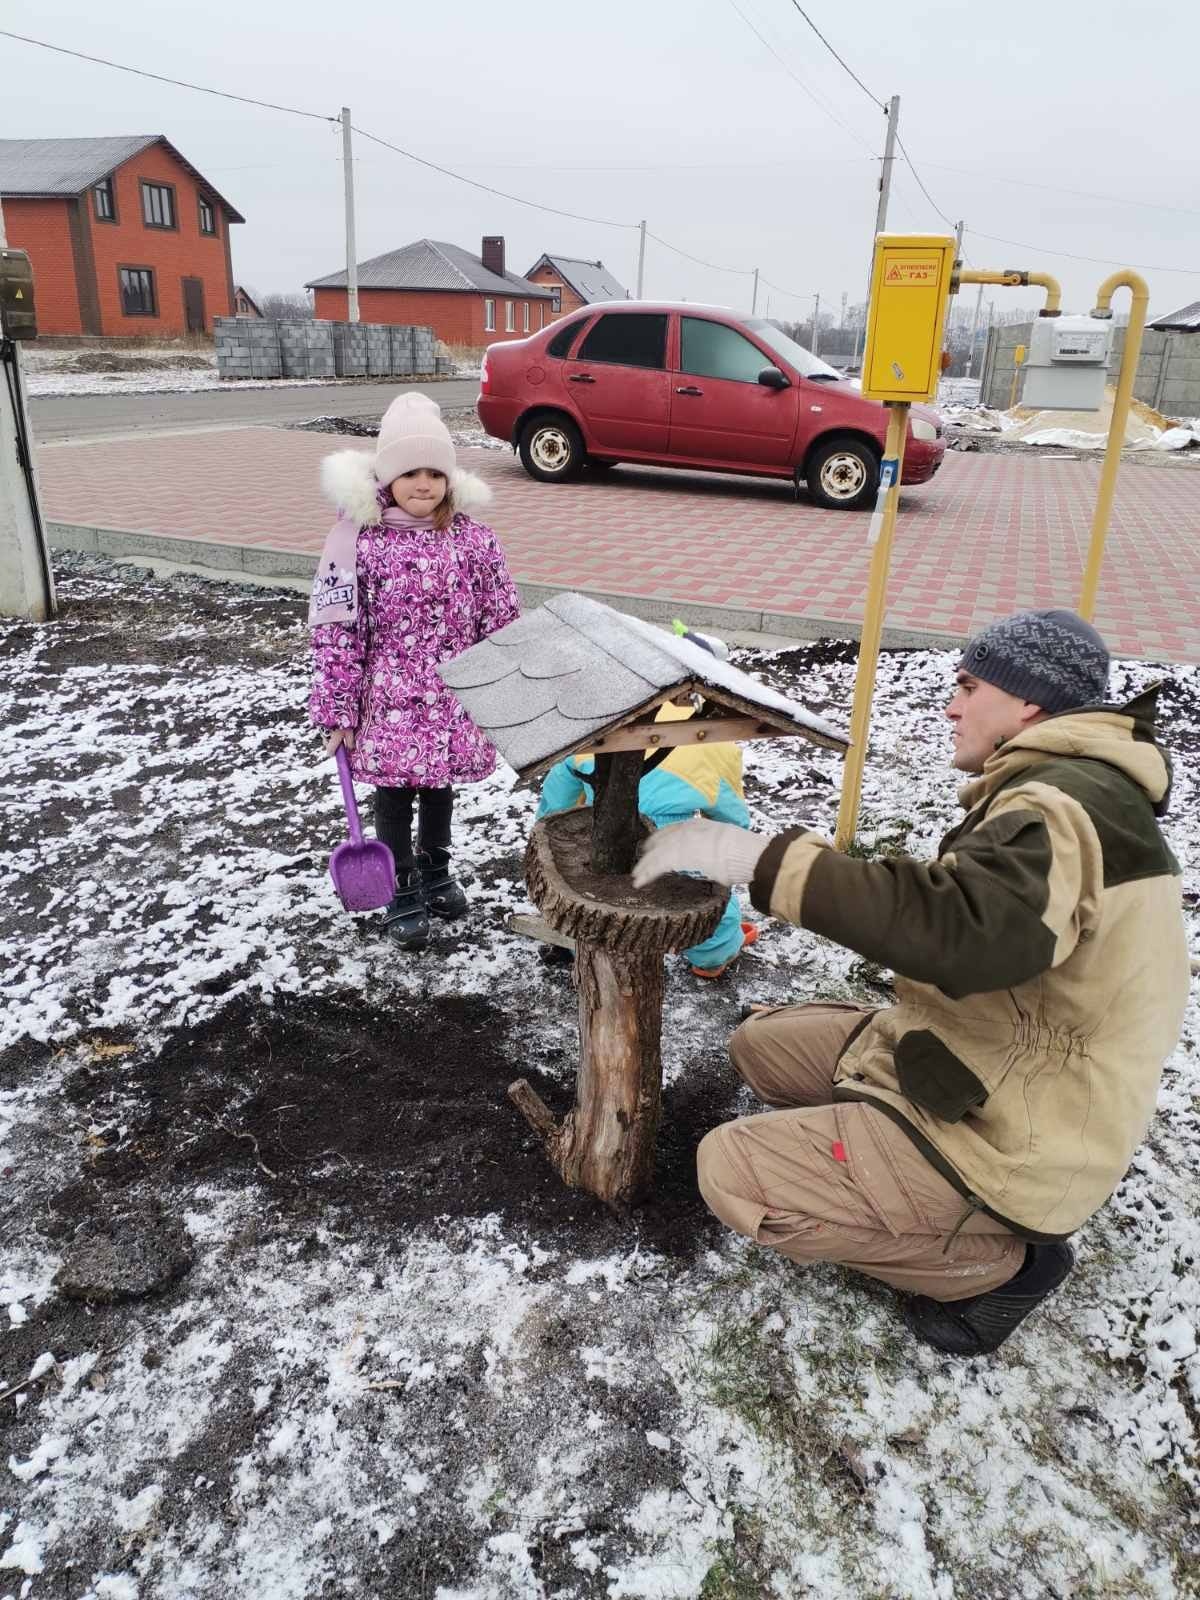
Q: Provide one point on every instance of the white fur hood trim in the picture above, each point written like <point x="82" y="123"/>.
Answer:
<point x="348" y="480"/>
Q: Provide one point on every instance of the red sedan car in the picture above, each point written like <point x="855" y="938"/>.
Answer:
<point x="691" y="386"/>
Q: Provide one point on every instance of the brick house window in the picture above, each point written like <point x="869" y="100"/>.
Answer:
<point x="104" y="202"/>
<point x="138" y="298"/>
<point x="489" y="316"/>
<point x="556" y="300"/>
<point x="158" y="205"/>
<point x="510" y="317"/>
<point x="525" y="316"/>
<point x="208" y="216"/>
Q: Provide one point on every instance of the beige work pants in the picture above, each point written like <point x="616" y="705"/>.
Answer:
<point x="824" y="1182"/>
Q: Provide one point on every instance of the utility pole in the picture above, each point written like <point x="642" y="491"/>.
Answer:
<point x="889" y="155"/>
<point x="641" y="256"/>
<point x="885" y="190"/>
<point x="754" y="296"/>
<point x="351" y="252"/>
<point x="816" y="338"/>
<point x="26" y="583"/>
<point x="974" y="330"/>
<point x="842" y="323"/>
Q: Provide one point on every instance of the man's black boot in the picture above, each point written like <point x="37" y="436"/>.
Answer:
<point x="979" y="1325"/>
<point x="406" y="921"/>
<point x="443" y="894"/>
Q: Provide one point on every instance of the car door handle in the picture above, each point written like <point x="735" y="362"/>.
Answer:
<point x="689" y="388"/>
<point x="581" y="377"/>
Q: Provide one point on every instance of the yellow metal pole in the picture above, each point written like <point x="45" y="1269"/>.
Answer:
<point x="872" y="629"/>
<point x="1120" y="416"/>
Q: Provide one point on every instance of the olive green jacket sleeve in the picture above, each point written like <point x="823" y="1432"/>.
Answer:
<point x="1009" y="901"/>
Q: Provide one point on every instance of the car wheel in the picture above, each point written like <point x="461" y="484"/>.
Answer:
<point x="551" y="449"/>
<point x="842" y="474"/>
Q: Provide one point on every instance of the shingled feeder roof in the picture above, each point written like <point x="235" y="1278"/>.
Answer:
<point x="551" y="682"/>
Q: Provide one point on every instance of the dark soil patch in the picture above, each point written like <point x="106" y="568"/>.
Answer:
<point x="388" y="1119"/>
<point x="367" y="426"/>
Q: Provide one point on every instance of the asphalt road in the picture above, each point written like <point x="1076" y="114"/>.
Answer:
<point x="112" y="415"/>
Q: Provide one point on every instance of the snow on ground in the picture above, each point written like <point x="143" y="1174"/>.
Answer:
<point x="407" y="1368"/>
<point x="159" y="369"/>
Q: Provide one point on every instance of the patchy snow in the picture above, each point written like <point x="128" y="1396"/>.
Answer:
<point x="470" y="1406"/>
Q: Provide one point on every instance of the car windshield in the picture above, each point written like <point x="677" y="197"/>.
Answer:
<point x="805" y="363"/>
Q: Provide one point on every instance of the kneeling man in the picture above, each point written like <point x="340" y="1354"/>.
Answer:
<point x="950" y="1144"/>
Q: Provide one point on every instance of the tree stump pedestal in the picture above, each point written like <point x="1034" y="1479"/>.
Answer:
<point x="606" y="1142"/>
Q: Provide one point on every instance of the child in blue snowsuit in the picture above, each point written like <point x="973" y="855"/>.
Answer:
<point x="704" y="778"/>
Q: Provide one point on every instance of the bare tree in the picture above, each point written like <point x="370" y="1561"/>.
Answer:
<point x="286" y="307"/>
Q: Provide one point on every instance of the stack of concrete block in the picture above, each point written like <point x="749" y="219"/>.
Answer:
<point x="350" y="349"/>
<point x="247" y="349"/>
<point x="379" y="350"/>
<point x="424" y="350"/>
<point x="402" y="351"/>
<point x="306" y="349"/>
<point x="251" y="347"/>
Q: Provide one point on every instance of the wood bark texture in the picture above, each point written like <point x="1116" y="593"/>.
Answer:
<point x="606" y="1143"/>
<point x="616" y="823"/>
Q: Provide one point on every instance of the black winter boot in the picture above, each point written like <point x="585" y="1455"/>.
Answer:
<point x="443" y="893"/>
<point x="406" y="921"/>
<point x="981" y="1324"/>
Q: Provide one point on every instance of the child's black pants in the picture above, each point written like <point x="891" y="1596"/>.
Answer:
<point x="393" y="823"/>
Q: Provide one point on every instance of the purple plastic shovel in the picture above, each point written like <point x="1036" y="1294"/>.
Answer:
<point x="363" y="871"/>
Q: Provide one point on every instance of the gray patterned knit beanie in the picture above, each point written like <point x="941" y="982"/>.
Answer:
<point x="1054" y="659"/>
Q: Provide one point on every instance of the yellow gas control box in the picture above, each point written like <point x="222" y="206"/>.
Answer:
<point x="910" y="290"/>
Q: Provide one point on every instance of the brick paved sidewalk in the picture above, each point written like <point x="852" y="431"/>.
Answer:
<point x="991" y="533"/>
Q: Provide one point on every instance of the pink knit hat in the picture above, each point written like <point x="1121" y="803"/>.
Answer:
<point x="411" y="435"/>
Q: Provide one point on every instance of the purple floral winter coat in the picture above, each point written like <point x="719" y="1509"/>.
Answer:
<point x="425" y="596"/>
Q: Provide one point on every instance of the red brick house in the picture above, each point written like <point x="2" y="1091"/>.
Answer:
<point x="575" y="283"/>
<point x="465" y="299"/>
<point x="125" y="235"/>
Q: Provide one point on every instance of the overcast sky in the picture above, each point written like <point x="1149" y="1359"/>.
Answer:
<point x="672" y="110"/>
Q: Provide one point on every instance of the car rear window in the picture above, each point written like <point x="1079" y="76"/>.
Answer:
<point x="631" y="338"/>
<point x="561" y="341"/>
<point x="712" y="350"/>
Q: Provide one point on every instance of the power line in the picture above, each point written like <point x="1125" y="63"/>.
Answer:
<point x="742" y="272"/>
<point x="921" y="184"/>
<point x="267" y="105"/>
<point x="793" y="294"/>
<point x="841" y="63"/>
<point x="536" y="205"/>
<point x="819" y="103"/>
<point x="1098" y="261"/>
<point x="1055" y="188"/>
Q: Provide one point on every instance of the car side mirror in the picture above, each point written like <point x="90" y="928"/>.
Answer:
<point x="772" y="378"/>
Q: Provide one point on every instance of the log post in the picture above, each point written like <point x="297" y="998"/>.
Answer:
<point x="606" y="1143"/>
<point x="615" y="830"/>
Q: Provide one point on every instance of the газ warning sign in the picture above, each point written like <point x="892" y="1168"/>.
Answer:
<point x="912" y="272"/>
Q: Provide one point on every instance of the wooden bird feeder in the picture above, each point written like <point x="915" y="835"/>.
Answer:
<point x="572" y="676"/>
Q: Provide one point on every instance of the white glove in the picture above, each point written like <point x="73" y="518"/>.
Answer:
<point x="716" y="850"/>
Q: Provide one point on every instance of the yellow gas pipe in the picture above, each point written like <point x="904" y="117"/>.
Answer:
<point x="1011" y="278"/>
<point x="1133" y="281"/>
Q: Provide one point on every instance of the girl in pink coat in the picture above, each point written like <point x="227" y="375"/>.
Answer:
<point x="407" y="578"/>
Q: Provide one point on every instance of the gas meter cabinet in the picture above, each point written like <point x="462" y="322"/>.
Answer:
<point x="572" y="676"/>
